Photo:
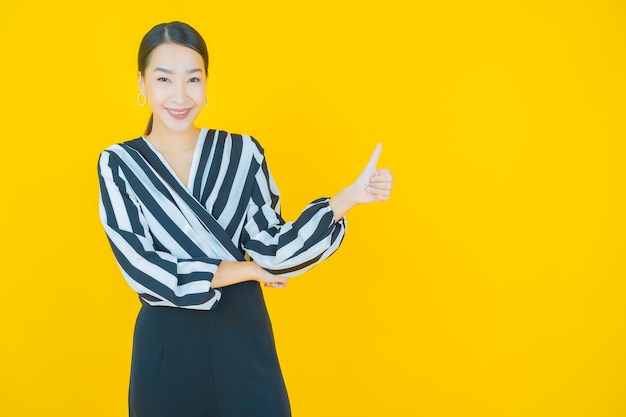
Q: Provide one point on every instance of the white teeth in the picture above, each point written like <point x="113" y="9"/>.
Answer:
<point x="178" y="112"/>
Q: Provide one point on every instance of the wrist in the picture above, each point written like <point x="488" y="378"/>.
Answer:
<point x="351" y="190"/>
<point x="255" y="271"/>
<point x="343" y="201"/>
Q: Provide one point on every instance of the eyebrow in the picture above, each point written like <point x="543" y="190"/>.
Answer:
<point x="167" y="71"/>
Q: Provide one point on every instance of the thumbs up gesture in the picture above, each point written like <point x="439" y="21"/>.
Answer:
<point x="372" y="185"/>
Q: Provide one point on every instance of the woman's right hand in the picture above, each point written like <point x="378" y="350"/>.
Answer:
<point x="271" y="280"/>
<point x="233" y="272"/>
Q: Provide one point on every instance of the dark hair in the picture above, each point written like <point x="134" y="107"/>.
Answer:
<point x="174" y="32"/>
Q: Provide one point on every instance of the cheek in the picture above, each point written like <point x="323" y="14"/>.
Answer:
<point x="197" y="92"/>
<point x="155" y="94"/>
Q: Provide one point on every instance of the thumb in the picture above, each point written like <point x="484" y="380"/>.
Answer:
<point x="371" y="164"/>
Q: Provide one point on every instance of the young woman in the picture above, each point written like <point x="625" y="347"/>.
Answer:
<point x="193" y="218"/>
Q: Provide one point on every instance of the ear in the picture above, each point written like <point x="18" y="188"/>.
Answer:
<point x="140" y="81"/>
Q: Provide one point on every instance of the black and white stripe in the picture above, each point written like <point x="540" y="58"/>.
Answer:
<point x="169" y="239"/>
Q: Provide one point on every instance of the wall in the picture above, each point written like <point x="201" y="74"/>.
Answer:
<point x="492" y="284"/>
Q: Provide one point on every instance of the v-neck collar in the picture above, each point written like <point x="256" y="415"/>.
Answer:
<point x="183" y="195"/>
<point x="193" y="169"/>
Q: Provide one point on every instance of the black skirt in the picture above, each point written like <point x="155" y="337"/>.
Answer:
<point x="217" y="363"/>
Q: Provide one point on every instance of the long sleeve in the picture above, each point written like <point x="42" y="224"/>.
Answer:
<point x="180" y="277"/>
<point x="287" y="248"/>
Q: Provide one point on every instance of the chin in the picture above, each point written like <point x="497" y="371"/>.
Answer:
<point x="179" y="126"/>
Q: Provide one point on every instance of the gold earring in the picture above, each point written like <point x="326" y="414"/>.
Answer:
<point x="142" y="102"/>
<point x="206" y="100"/>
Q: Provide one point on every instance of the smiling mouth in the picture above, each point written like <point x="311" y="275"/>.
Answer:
<point x="179" y="113"/>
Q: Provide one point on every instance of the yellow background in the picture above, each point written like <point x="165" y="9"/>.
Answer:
<point x="493" y="284"/>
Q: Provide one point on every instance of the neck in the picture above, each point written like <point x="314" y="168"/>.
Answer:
<point x="168" y="141"/>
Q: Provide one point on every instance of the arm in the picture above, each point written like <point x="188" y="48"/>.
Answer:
<point x="156" y="275"/>
<point x="233" y="272"/>
<point x="286" y="248"/>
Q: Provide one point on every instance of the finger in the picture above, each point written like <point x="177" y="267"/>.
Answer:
<point x="383" y="183"/>
<point x="371" y="164"/>
<point x="382" y="175"/>
<point x="276" y="284"/>
<point x="381" y="179"/>
<point x="380" y="186"/>
<point x="379" y="192"/>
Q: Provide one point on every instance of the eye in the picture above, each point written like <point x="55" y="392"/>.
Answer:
<point x="162" y="79"/>
<point x="194" y="80"/>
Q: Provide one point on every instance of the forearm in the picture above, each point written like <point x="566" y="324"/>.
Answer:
<point x="233" y="272"/>
<point x="342" y="202"/>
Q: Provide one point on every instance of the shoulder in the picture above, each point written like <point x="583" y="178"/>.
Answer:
<point x="246" y="144"/>
<point x="120" y="146"/>
<point x="117" y="152"/>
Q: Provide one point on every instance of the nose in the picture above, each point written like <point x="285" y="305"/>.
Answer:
<point x="179" y="95"/>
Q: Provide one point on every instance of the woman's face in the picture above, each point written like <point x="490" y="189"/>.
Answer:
<point x="175" y="84"/>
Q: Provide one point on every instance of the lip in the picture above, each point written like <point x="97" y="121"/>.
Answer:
<point x="178" y="114"/>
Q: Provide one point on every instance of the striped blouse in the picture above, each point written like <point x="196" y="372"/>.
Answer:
<point x="169" y="239"/>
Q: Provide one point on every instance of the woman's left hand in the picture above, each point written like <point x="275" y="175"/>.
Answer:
<point x="373" y="184"/>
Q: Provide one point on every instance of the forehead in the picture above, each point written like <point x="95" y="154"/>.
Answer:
<point x="175" y="57"/>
